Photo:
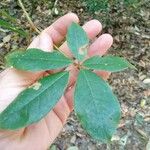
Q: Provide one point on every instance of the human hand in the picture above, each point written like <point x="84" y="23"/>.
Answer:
<point x="40" y="135"/>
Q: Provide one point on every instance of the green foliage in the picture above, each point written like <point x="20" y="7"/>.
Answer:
<point x="6" y="25"/>
<point x="35" y="102"/>
<point x="37" y="60"/>
<point x="107" y="63"/>
<point x="78" y="46"/>
<point x="6" y="15"/>
<point x="10" y="23"/>
<point x="95" y="105"/>
<point x="106" y="5"/>
<point x="96" y="5"/>
<point x="130" y="3"/>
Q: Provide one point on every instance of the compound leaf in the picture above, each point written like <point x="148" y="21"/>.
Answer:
<point x="108" y="63"/>
<point x="36" y="60"/>
<point x="35" y="102"/>
<point x="96" y="106"/>
<point x="77" y="41"/>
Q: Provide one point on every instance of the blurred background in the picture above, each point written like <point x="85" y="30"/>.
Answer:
<point x="128" y="21"/>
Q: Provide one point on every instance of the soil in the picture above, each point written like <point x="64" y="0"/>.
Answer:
<point x="131" y="32"/>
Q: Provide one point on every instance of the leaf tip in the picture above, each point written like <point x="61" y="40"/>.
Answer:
<point x="74" y="24"/>
<point x="132" y="66"/>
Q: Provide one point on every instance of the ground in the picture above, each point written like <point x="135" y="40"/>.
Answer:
<point x="131" y="33"/>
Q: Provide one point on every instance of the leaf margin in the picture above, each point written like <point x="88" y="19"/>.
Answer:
<point x="71" y="32"/>
<point x="11" y="58"/>
<point x="81" y="121"/>
<point x="88" y="63"/>
<point x="6" y="110"/>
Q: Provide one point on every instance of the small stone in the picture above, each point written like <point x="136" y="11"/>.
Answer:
<point x="6" y="38"/>
<point x="81" y="9"/>
<point x="147" y="93"/>
<point x="115" y="138"/>
<point x="73" y="139"/>
<point x="146" y="81"/>
<point x="142" y="63"/>
<point x="142" y="77"/>
<point x="73" y="148"/>
<point x="142" y="103"/>
<point x="117" y="38"/>
<point x="147" y="119"/>
<point x="148" y="145"/>
<point x="1" y="45"/>
<point x="79" y="134"/>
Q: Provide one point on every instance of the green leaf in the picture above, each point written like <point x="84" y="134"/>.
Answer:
<point x="77" y="41"/>
<point x="96" y="106"/>
<point x="108" y="63"/>
<point x="36" y="60"/>
<point x="97" y="5"/>
<point x="35" y="102"/>
<point x="6" y="15"/>
<point x="13" y="28"/>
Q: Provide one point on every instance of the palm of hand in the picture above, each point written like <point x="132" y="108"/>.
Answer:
<point x="40" y="135"/>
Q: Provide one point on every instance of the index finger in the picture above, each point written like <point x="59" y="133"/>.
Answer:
<point x="58" y="29"/>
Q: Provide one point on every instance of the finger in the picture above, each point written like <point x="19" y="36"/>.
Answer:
<point x="104" y="74"/>
<point x="62" y="109"/>
<point x="54" y="33"/>
<point x="54" y="126"/>
<point x="92" y="28"/>
<point x="58" y="29"/>
<point x="69" y="97"/>
<point x="59" y="114"/>
<point x="43" y="42"/>
<point x="65" y="105"/>
<point x="101" y="45"/>
<point x="49" y="127"/>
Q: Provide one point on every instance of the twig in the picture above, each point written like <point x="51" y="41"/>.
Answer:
<point x="34" y="27"/>
<point x="28" y="17"/>
<point x="56" y="47"/>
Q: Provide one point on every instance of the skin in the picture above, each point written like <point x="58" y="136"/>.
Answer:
<point x="40" y="136"/>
